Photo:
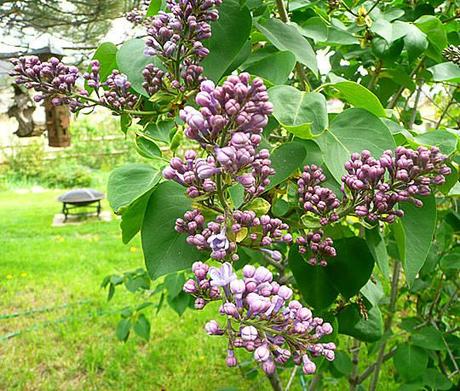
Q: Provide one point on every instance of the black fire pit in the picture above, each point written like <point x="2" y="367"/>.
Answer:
<point x="81" y="198"/>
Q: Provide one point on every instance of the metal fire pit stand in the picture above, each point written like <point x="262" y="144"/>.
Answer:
<point x="81" y="198"/>
<point x="68" y="206"/>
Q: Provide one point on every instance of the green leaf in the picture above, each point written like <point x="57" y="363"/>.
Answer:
<point x="446" y="71"/>
<point x="436" y="380"/>
<point x="147" y="148"/>
<point x="166" y="250"/>
<point x="301" y="113"/>
<point x="280" y="207"/>
<point x="359" y="96"/>
<point x="418" y="225"/>
<point x="287" y="37"/>
<point x="434" y="30"/>
<point x="350" y="270"/>
<point x="286" y="159"/>
<point x="383" y="28"/>
<point x="106" y="54"/>
<point x="352" y="323"/>
<point x="428" y="338"/>
<point x="174" y="283"/>
<point x="123" y="328"/>
<point x="132" y="217"/>
<point x="410" y="361"/>
<point x="444" y="140"/>
<point x="130" y="182"/>
<point x="378" y="249"/>
<point x="451" y="261"/>
<point x="160" y="131"/>
<point x="142" y="327"/>
<point x="237" y="195"/>
<point x="259" y="205"/>
<point x="351" y="131"/>
<point x="338" y="36"/>
<point x="415" y="41"/>
<point x="275" y="67"/>
<point x="314" y="28"/>
<point x="313" y="281"/>
<point x="373" y="292"/>
<point x="154" y="7"/>
<point x="229" y="34"/>
<point x="342" y="363"/>
<point x="131" y="61"/>
<point x="180" y="303"/>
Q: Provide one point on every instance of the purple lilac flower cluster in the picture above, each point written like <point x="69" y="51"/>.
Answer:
<point x="262" y="318"/>
<point x="321" y="248"/>
<point x="176" y="38"/>
<point x="200" y="286"/>
<point x="316" y="199"/>
<point x="58" y="83"/>
<point x="230" y="120"/>
<point x="236" y="106"/>
<point x="115" y="94"/>
<point x="372" y="188"/>
<point x="263" y="231"/>
<point x="212" y="237"/>
<point x="197" y="174"/>
<point x="228" y="126"/>
<point x="51" y="79"/>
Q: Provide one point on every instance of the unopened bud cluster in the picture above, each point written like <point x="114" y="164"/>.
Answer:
<point x="176" y="38"/>
<point x="320" y="247"/>
<point x="57" y="83"/>
<point x="200" y="286"/>
<point x="198" y="175"/>
<point x="262" y="319"/>
<point x="372" y="188"/>
<point x="316" y="199"/>
<point x="229" y="121"/>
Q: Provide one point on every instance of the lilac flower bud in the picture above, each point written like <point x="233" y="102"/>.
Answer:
<point x="200" y="269"/>
<point x="237" y="287"/>
<point x="213" y="328"/>
<point x="261" y="354"/>
<point x="309" y="366"/>
<point x="190" y="286"/>
<point x="285" y="292"/>
<point x="229" y="309"/>
<point x="327" y="328"/>
<point x="248" y="333"/>
<point x="262" y="274"/>
<point x="269" y="367"/>
<point x="231" y="359"/>
<point x="200" y="303"/>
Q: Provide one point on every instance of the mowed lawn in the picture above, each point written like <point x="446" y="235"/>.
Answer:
<point x="57" y="329"/>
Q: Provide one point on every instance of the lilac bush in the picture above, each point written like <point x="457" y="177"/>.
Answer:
<point x="273" y="202"/>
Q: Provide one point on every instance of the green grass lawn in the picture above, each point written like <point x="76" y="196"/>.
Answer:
<point x="73" y="346"/>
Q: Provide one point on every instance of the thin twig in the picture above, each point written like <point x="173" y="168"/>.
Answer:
<point x="388" y="323"/>
<point x="444" y="112"/>
<point x="369" y="370"/>
<point x="414" y="108"/>
<point x="284" y="16"/>
<point x="291" y="378"/>
<point x="395" y="97"/>
<point x="355" y="348"/>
